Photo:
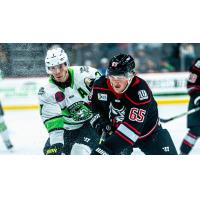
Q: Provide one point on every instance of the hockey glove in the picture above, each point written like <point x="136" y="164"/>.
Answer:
<point x="55" y="149"/>
<point x="197" y="101"/>
<point x="101" y="125"/>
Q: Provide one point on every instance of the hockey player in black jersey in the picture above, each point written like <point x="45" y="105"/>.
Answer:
<point x="193" y="120"/>
<point x="126" y="112"/>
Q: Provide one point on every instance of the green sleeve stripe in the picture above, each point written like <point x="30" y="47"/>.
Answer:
<point x="71" y="72"/>
<point x="60" y="116"/>
<point x="54" y="123"/>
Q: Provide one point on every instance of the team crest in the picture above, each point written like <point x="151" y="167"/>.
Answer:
<point x="116" y="114"/>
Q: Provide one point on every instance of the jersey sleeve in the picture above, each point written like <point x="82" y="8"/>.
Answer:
<point x="51" y="115"/>
<point x="193" y="83"/>
<point x="96" y="105"/>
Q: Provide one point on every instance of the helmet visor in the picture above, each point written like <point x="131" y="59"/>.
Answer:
<point x="121" y="77"/>
<point x="53" y="69"/>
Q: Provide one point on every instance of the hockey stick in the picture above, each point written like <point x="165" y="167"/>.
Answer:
<point x="103" y="137"/>
<point x="189" y="112"/>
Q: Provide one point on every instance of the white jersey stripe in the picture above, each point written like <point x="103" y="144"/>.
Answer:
<point x="190" y="139"/>
<point x="128" y="133"/>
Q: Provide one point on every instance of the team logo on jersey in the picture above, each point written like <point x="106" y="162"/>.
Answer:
<point x="79" y="112"/>
<point x="142" y="94"/>
<point x="116" y="114"/>
<point x="102" y="97"/>
<point x="59" y="96"/>
<point x="197" y="64"/>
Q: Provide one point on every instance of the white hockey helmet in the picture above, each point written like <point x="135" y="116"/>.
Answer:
<point x="55" y="56"/>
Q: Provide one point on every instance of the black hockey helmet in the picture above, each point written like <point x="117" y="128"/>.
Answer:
<point x="121" y="65"/>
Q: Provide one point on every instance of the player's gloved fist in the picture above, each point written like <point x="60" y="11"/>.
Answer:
<point x="55" y="149"/>
<point x="103" y="127"/>
<point x="100" y="125"/>
<point x="197" y="101"/>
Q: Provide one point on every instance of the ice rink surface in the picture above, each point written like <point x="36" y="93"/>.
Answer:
<point x="29" y="135"/>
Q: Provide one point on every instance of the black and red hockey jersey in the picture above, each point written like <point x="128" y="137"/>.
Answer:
<point x="193" y="83"/>
<point x="133" y="114"/>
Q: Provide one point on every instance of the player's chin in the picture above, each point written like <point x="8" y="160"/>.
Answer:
<point x="118" y="89"/>
<point x="59" y="79"/>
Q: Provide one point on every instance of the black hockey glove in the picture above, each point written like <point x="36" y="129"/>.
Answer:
<point x="197" y="101"/>
<point x="101" y="125"/>
<point x="55" y="149"/>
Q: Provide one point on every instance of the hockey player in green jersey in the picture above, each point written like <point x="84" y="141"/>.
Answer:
<point x="64" y="106"/>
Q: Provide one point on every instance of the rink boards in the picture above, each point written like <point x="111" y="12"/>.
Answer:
<point x="21" y="93"/>
<point x="162" y="101"/>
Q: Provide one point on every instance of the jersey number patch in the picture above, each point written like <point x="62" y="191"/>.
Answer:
<point x="137" y="115"/>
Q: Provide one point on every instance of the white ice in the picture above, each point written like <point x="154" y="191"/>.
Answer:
<point x="29" y="135"/>
<point x="26" y="132"/>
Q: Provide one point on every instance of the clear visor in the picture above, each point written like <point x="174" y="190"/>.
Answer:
<point x="122" y="77"/>
<point x="55" y="68"/>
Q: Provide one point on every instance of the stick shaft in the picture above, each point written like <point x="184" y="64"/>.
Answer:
<point x="189" y="112"/>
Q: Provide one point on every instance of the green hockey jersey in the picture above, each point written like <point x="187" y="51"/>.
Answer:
<point x="66" y="108"/>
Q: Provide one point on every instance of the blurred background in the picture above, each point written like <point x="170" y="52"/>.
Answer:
<point x="27" y="59"/>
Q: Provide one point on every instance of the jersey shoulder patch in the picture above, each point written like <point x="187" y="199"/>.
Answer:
<point x="143" y="95"/>
<point x="139" y="93"/>
<point x="47" y="92"/>
<point x="41" y="91"/>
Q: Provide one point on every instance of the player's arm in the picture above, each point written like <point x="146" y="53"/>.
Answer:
<point x="53" y="121"/>
<point x="99" y="121"/>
